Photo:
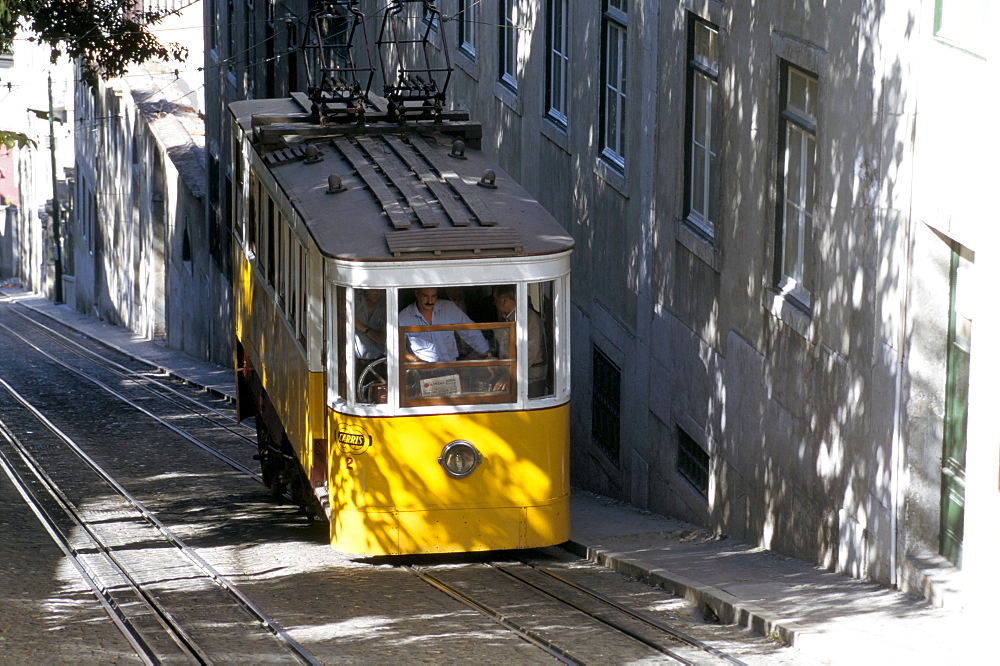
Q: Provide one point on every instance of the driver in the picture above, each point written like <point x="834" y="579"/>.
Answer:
<point x="434" y="346"/>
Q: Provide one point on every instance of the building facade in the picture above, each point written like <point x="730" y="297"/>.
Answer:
<point x="33" y="89"/>
<point x="778" y="250"/>
<point x="141" y="240"/>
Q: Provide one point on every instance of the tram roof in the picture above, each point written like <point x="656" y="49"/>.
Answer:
<point x="403" y="195"/>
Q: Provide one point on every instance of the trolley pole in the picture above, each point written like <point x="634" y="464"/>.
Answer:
<point x="56" y="240"/>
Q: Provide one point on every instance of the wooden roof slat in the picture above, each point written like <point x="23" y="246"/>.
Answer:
<point x="458" y="240"/>
<point x="397" y="216"/>
<point x="402" y="179"/>
<point x="460" y="216"/>
<point x="284" y="155"/>
<point x="464" y="190"/>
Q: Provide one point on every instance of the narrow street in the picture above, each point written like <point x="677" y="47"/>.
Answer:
<point x="337" y="607"/>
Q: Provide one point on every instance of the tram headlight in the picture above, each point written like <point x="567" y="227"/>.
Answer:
<point x="460" y="458"/>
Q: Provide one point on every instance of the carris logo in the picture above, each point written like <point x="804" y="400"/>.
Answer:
<point x="353" y="440"/>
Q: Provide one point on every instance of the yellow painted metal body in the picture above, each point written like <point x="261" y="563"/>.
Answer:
<point x="298" y="395"/>
<point x="389" y="495"/>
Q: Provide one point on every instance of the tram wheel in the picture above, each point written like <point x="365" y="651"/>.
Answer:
<point x="270" y="460"/>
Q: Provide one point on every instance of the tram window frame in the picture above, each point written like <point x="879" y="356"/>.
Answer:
<point x="339" y="389"/>
<point x="281" y="267"/>
<point x="271" y="234"/>
<point x="248" y="229"/>
<point x="546" y="298"/>
<point x="261" y="222"/>
<point x="303" y="300"/>
<point x="364" y="344"/>
<point x="540" y="297"/>
<point x="288" y="239"/>
<point x="293" y="285"/>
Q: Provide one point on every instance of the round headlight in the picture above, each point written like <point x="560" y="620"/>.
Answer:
<point x="460" y="458"/>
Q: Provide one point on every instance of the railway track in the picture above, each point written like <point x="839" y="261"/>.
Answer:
<point x="167" y="600"/>
<point x="577" y="625"/>
<point x="215" y="411"/>
<point x="191" y="416"/>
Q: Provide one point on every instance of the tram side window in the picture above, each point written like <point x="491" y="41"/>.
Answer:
<point x="293" y="283"/>
<point x="271" y="234"/>
<point x="281" y="261"/>
<point x="541" y="340"/>
<point x="342" y="387"/>
<point x="303" y="271"/>
<point x="249" y="227"/>
<point x="261" y="233"/>
<point x="539" y="332"/>
<point x="369" y="346"/>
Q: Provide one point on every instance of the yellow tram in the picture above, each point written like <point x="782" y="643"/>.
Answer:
<point x="401" y="330"/>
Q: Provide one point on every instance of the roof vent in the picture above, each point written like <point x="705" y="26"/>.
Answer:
<point x="488" y="180"/>
<point x="458" y="149"/>
<point x="313" y="155"/>
<point x="334" y="185"/>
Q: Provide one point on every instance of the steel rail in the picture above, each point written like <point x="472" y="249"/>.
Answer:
<point x="603" y="620"/>
<point x="530" y="636"/>
<point x="194" y="440"/>
<point x="676" y="633"/>
<point x="112" y="608"/>
<point x="140" y="378"/>
<point x="232" y="590"/>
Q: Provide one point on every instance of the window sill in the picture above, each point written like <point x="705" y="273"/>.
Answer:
<point x="699" y="245"/>
<point x="509" y="97"/>
<point x="557" y="134"/>
<point x="791" y="313"/>
<point x="612" y="176"/>
<point x="468" y="64"/>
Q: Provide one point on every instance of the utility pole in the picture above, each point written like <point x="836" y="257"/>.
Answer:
<point x="56" y="239"/>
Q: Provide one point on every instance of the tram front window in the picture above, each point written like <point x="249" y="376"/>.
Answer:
<point x="457" y="345"/>
<point x="448" y="358"/>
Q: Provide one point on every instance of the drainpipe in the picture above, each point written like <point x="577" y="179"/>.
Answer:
<point x="57" y="242"/>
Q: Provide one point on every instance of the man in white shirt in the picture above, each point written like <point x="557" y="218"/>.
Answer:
<point x="437" y="346"/>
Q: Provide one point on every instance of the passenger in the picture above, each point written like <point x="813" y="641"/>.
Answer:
<point x="369" y="324"/>
<point x="437" y="346"/>
<point x="457" y="296"/>
<point x="505" y="299"/>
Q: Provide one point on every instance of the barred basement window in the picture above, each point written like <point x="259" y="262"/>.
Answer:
<point x="606" y="405"/>
<point x="692" y="462"/>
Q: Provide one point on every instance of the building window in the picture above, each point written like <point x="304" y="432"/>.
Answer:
<point x="230" y="34"/>
<point x="797" y="189"/>
<point x="956" y="410"/>
<point x="701" y="174"/>
<point x="508" y="42"/>
<point x="606" y="405"/>
<point x="558" y="63"/>
<point x="692" y="462"/>
<point x="613" y="80"/>
<point x="249" y="59"/>
<point x="467" y="12"/>
<point x="213" y="27"/>
<point x="963" y="24"/>
<point x="431" y="20"/>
